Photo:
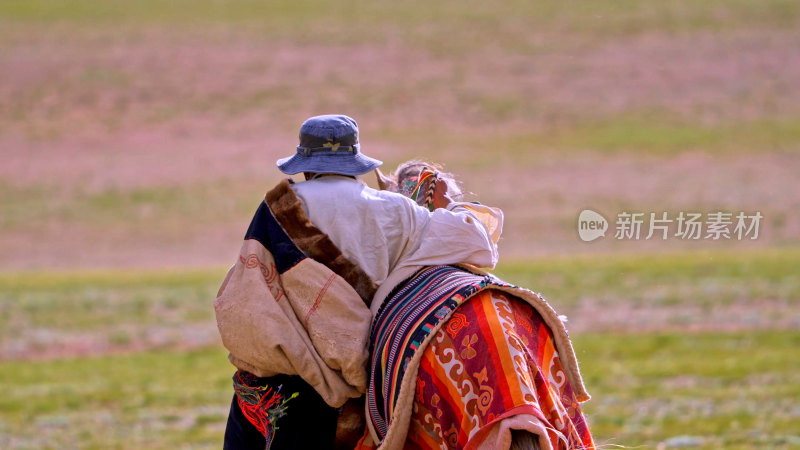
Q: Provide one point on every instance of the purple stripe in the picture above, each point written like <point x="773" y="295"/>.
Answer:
<point x="404" y="321"/>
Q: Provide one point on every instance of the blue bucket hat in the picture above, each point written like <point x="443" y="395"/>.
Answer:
<point x="329" y="144"/>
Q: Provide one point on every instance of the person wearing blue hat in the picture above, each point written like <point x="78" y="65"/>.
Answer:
<point x="372" y="239"/>
<point x="329" y="145"/>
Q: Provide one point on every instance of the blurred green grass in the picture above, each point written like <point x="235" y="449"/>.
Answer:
<point x="93" y="300"/>
<point x="626" y="134"/>
<point x="116" y="95"/>
<point x="339" y="19"/>
<point x="726" y="390"/>
<point x="713" y="278"/>
<point x="144" y="400"/>
<point x="33" y="207"/>
<point x="729" y="390"/>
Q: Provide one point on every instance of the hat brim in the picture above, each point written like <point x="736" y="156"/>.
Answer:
<point x="345" y="164"/>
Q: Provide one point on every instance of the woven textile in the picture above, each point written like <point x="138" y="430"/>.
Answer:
<point x="401" y="325"/>
<point x="495" y="358"/>
<point x="459" y="359"/>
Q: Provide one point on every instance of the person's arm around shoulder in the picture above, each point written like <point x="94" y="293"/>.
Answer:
<point x="457" y="233"/>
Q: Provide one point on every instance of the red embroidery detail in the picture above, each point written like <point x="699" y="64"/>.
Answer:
<point x="319" y="298"/>
<point x="420" y="390"/>
<point x="455" y="324"/>
<point x="270" y="274"/>
<point x="523" y="322"/>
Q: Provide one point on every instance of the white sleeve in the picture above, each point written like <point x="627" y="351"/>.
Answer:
<point x="491" y="218"/>
<point x="451" y="236"/>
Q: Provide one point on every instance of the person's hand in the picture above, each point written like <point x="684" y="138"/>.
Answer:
<point x="440" y="197"/>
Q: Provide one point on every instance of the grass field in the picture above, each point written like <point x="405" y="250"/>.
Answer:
<point x="137" y="138"/>
<point x="721" y="390"/>
<point x="131" y="358"/>
<point x="145" y="132"/>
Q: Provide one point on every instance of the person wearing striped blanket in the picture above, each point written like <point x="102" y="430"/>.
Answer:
<point x="464" y="360"/>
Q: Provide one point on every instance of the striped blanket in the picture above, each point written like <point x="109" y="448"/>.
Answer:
<point x="431" y="375"/>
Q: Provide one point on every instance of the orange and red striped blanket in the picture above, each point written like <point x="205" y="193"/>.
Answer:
<point x="459" y="359"/>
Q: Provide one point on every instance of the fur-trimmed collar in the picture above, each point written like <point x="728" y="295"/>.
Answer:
<point x="287" y="208"/>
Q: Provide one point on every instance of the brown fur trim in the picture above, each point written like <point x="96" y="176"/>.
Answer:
<point x="351" y="424"/>
<point x="289" y="211"/>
